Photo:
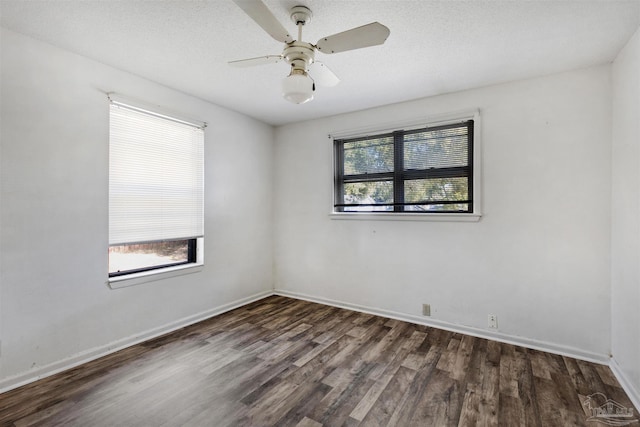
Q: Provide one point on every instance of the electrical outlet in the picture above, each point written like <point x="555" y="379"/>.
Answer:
<point x="426" y="310"/>
<point x="493" y="321"/>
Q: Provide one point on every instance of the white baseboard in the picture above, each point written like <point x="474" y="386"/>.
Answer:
<point x="626" y="384"/>
<point x="576" y="353"/>
<point x="97" y="352"/>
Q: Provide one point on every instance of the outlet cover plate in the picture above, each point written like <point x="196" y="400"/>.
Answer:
<point x="426" y="310"/>
<point x="492" y="321"/>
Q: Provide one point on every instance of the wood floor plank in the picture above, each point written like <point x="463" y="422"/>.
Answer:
<point x="508" y="372"/>
<point x="431" y="409"/>
<point x="489" y="393"/>
<point x="462" y="357"/>
<point x="511" y="412"/>
<point x="386" y="370"/>
<point x="338" y="412"/>
<point x="308" y="422"/>
<point x="408" y="405"/>
<point x="526" y="388"/>
<point x="547" y="399"/>
<point x="348" y="387"/>
<point x="286" y="362"/>
<point x="305" y="400"/>
<point x="470" y="413"/>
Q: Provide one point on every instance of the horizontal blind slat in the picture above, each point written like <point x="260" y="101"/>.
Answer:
<point x="156" y="178"/>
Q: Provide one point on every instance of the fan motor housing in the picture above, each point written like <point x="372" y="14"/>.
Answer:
<point x="299" y="54"/>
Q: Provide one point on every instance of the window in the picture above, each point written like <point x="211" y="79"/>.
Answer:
<point x="156" y="191"/>
<point x="426" y="170"/>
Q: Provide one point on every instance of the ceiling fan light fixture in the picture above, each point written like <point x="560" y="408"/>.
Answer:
<point x="298" y="87"/>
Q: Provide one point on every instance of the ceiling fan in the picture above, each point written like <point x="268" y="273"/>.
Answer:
<point x="299" y="85"/>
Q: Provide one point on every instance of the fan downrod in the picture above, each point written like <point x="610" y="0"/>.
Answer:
<point x="299" y="54"/>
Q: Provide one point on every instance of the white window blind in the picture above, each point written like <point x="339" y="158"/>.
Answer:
<point x="156" y="177"/>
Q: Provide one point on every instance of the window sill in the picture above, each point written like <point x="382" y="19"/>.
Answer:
<point x="153" y="275"/>
<point x="390" y="216"/>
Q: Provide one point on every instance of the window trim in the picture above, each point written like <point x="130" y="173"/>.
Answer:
<point x="126" y="280"/>
<point x="192" y="245"/>
<point x="195" y="257"/>
<point x="389" y="128"/>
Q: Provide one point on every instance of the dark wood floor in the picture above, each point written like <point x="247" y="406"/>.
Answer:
<point x="285" y="362"/>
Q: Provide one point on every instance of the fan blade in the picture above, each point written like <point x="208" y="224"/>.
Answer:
<point x="368" y="35"/>
<point x="322" y="75"/>
<point x="259" y="12"/>
<point x="261" y="60"/>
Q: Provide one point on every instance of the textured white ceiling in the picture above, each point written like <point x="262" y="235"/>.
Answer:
<point x="435" y="47"/>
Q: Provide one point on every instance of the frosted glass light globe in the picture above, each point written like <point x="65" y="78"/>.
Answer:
<point x="297" y="88"/>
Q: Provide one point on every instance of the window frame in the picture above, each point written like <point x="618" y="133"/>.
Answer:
<point x="399" y="176"/>
<point x="192" y="246"/>
<point x="132" y="279"/>
<point x="195" y="244"/>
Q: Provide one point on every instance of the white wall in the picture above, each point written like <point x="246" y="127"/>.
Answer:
<point x="54" y="303"/>
<point x="625" y="238"/>
<point x="539" y="257"/>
